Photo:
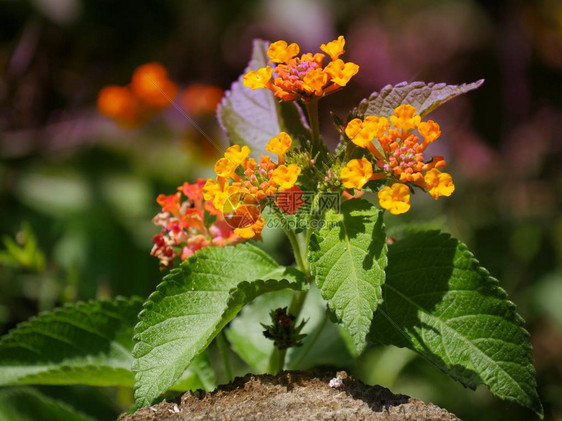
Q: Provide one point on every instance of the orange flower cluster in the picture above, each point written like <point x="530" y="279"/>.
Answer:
<point x="198" y="99"/>
<point x="242" y="200"/>
<point x="303" y="77"/>
<point x="149" y="92"/>
<point x="184" y="227"/>
<point x="399" y="157"/>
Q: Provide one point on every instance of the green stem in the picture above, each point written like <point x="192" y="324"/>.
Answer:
<point x="277" y="360"/>
<point x="223" y="350"/>
<point x="281" y="360"/>
<point x="312" y="111"/>
<point x="297" y="251"/>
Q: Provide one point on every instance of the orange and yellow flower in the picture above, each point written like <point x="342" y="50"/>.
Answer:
<point x="439" y="183"/>
<point x="286" y="176"/>
<point x="305" y="77"/>
<point x="242" y="185"/>
<point x="279" y="145"/>
<point x="184" y="228"/>
<point x="334" y="48"/>
<point x="395" y="199"/>
<point x="356" y="173"/>
<point x="399" y="155"/>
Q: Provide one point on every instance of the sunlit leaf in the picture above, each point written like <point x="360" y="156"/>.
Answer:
<point x="440" y="302"/>
<point x="193" y="303"/>
<point x="348" y="257"/>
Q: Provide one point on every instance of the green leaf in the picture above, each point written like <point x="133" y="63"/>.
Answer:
<point x="348" y="257"/>
<point x="27" y="404"/>
<point x="199" y="375"/>
<point x="252" y="117"/>
<point x="441" y="303"/>
<point x="192" y="304"/>
<point x="426" y="97"/>
<point x="88" y="343"/>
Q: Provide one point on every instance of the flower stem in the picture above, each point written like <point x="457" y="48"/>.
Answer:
<point x="301" y="263"/>
<point x="223" y="351"/>
<point x="277" y="360"/>
<point x="312" y="111"/>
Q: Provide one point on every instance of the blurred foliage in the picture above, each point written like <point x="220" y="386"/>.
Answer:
<point x="77" y="192"/>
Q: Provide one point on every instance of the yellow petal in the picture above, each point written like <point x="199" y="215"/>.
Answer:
<point x="340" y="72"/>
<point x="356" y="173"/>
<point x="395" y="199"/>
<point x="280" y="52"/>
<point x="279" y="145"/>
<point x="257" y="79"/>
<point x="439" y="183"/>
<point x="334" y="48"/>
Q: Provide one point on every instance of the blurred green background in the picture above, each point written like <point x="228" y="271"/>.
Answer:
<point x="77" y="191"/>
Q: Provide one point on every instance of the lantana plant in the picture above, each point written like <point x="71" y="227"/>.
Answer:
<point x="352" y="286"/>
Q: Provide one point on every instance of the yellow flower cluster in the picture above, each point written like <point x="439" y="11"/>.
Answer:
<point x="398" y="157"/>
<point x="242" y="185"/>
<point x="303" y="77"/>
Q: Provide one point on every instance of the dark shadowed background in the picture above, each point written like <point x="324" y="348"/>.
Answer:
<point x="84" y="188"/>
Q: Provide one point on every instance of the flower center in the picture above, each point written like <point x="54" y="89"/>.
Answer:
<point x="296" y="69"/>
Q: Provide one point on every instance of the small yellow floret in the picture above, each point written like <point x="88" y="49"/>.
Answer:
<point x="225" y="167"/>
<point x="405" y="117"/>
<point x="376" y="125"/>
<point x="334" y="48"/>
<point x="314" y="81"/>
<point x="279" y="145"/>
<point x="340" y="72"/>
<point x="439" y="183"/>
<point x="237" y="154"/>
<point x="362" y="132"/>
<point x="429" y="130"/>
<point x="356" y="173"/>
<point x="286" y="176"/>
<point x="210" y="189"/>
<point x="257" y="79"/>
<point x="280" y="52"/>
<point x="356" y="133"/>
<point x="395" y="199"/>
<point x="228" y="199"/>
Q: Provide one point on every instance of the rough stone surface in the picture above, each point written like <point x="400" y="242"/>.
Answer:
<point x="293" y="396"/>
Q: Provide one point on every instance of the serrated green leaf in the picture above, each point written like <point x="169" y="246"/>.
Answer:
<point x="426" y="97"/>
<point x="199" y="375"/>
<point x="348" y="257"/>
<point x="441" y="303"/>
<point x="88" y="343"/>
<point x="252" y="117"/>
<point x="192" y="304"/>
<point x="27" y="404"/>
